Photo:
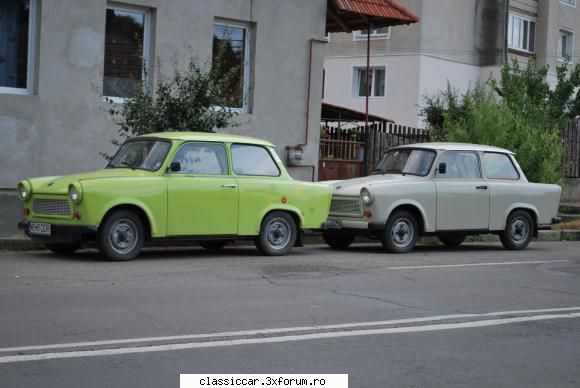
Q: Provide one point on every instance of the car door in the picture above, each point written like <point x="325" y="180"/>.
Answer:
<point x="202" y="196"/>
<point x="462" y="194"/>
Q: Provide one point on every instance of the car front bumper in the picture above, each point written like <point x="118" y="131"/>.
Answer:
<point x="359" y="225"/>
<point x="61" y="233"/>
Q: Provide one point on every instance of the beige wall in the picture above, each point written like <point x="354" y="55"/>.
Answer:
<point x="61" y="127"/>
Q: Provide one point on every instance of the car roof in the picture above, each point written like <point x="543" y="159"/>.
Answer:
<point x="208" y="136"/>
<point x="456" y="147"/>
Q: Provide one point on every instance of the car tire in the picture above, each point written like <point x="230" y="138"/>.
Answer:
<point x="214" y="245"/>
<point x="452" y="240"/>
<point x="518" y="231"/>
<point x="277" y="234"/>
<point x="401" y="232"/>
<point x="121" y="236"/>
<point x="338" y="239"/>
<point x="63" y="248"/>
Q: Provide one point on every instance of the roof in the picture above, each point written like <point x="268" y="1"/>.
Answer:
<point x="207" y="136"/>
<point x="349" y="15"/>
<point x="333" y="112"/>
<point x="457" y="147"/>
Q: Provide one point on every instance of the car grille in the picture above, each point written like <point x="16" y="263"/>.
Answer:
<point x="351" y="207"/>
<point x="51" y="207"/>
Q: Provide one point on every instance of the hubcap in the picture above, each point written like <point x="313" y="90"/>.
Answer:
<point x="402" y="232"/>
<point x="519" y="230"/>
<point x="123" y="236"/>
<point x="278" y="233"/>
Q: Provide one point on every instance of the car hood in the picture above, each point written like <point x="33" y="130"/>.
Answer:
<point x="59" y="184"/>
<point x="353" y="186"/>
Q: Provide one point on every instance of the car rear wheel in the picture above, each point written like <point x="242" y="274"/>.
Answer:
<point x="64" y="248"/>
<point x="518" y="231"/>
<point x="121" y="236"/>
<point x="400" y="233"/>
<point x="277" y="234"/>
<point x="338" y="239"/>
<point x="214" y="245"/>
<point x="453" y="240"/>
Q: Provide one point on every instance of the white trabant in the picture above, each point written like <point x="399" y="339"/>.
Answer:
<point x="449" y="190"/>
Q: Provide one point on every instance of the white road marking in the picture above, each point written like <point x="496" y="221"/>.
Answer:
<point x="479" y="264"/>
<point x="562" y="313"/>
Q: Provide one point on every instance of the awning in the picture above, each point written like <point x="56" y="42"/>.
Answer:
<point x="332" y="112"/>
<point x="350" y="15"/>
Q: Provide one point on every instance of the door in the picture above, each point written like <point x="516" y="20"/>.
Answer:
<point x="462" y="194"/>
<point x="202" y="195"/>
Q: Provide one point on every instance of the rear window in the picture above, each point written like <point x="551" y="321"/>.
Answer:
<point x="253" y="160"/>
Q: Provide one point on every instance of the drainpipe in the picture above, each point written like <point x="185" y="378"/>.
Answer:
<point x="505" y="32"/>
<point x="306" y="127"/>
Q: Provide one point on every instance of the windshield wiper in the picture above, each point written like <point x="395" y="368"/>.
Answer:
<point x="377" y="170"/>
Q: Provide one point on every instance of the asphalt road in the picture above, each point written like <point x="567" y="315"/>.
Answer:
<point x="476" y="316"/>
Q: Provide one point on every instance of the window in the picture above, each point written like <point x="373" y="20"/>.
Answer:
<point x="253" y="160"/>
<point x="376" y="33"/>
<point x="569" y="2"/>
<point x="405" y="161"/>
<point x="231" y="47"/>
<point x="126" y="51"/>
<point x="17" y="46"/>
<point x="565" y="45"/>
<point x="522" y="33"/>
<point x="460" y="165"/>
<point x="141" y="154"/>
<point x="376" y="86"/>
<point x="202" y="158"/>
<point x="499" y="166"/>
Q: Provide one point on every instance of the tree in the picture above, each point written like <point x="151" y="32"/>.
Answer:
<point x="519" y="112"/>
<point x="199" y="98"/>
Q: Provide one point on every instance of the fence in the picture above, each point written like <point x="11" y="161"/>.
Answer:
<point x="348" y="153"/>
<point x="571" y="141"/>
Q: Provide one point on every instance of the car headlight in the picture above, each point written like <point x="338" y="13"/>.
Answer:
<point x="75" y="193"/>
<point x="24" y="190"/>
<point x="366" y="196"/>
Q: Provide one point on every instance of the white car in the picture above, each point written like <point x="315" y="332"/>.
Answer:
<point x="448" y="190"/>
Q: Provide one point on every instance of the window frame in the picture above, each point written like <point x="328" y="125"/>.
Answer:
<point x="560" y="56"/>
<point x="509" y="157"/>
<point x="511" y="28"/>
<point x="228" y="171"/>
<point x="248" y="55"/>
<point x="265" y="148"/>
<point x="359" y="35"/>
<point x="356" y="79"/>
<point x="147" y="54"/>
<point x="31" y="63"/>
<point x="479" y="165"/>
<point x="569" y="3"/>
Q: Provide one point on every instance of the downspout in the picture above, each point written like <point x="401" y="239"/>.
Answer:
<point x="505" y="32"/>
<point x="308" y="88"/>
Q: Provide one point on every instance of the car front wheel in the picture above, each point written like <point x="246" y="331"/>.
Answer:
<point x="121" y="236"/>
<point x="518" y="231"/>
<point x="277" y="234"/>
<point x="400" y="233"/>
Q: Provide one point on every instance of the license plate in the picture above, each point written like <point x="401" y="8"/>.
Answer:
<point x="39" y="228"/>
<point x="335" y="224"/>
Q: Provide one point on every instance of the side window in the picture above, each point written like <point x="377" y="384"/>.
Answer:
<point x="461" y="165"/>
<point x="499" y="166"/>
<point x="202" y="158"/>
<point x="253" y="160"/>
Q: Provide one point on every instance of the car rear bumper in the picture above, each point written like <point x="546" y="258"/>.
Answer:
<point x="61" y="233"/>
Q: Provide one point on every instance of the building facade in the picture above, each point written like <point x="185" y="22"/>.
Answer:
<point x="457" y="42"/>
<point x="61" y="58"/>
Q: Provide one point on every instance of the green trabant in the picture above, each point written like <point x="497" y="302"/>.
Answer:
<point x="207" y="187"/>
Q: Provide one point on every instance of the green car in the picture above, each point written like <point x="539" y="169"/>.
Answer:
<point x="206" y="187"/>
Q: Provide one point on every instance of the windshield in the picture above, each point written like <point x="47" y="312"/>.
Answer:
<point x="141" y="154"/>
<point x="405" y="161"/>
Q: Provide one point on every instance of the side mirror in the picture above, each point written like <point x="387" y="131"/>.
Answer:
<point x="442" y="168"/>
<point x="175" y="167"/>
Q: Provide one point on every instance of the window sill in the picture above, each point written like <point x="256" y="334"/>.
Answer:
<point x="522" y="52"/>
<point x="16" y="91"/>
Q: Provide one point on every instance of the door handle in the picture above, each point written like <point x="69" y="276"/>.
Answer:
<point x="230" y="186"/>
<point x="481" y="187"/>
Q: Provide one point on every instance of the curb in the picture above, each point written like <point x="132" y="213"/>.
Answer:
<point x="25" y="244"/>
